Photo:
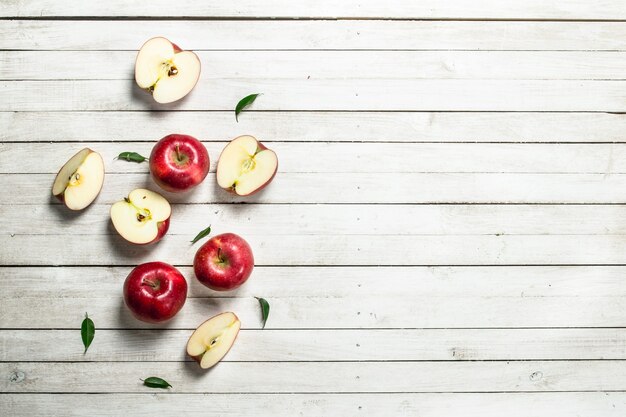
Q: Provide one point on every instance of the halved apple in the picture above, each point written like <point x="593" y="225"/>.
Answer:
<point x="165" y="70"/>
<point x="246" y="166"/>
<point x="143" y="217"/>
<point x="80" y="180"/>
<point x="212" y="340"/>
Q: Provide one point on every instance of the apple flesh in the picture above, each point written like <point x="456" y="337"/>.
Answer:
<point x="80" y="180"/>
<point x="224" y="262"/>
<point x="155" y="291"/>
<point x="143" y="217"/>
<point x="212" y="340"/>
<point x="179" y="162"/>
<point x="246" y="166"/>
<point x="165" y="70"/>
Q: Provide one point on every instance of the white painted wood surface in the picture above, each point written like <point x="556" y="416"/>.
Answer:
<point x="446" y="235"/>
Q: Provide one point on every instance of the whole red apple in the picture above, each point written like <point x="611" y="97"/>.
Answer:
<point x="179" y="162"/>
<point x="224" y="262"/>
<point x="155" y="292"/>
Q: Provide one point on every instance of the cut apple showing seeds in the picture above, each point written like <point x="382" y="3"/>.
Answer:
<point x="246" y="166"/>
<point x="141" y="218"/>
<point x="80" y="180"/>
<point x="212" y="340"/>
<point x="165" y="70"/>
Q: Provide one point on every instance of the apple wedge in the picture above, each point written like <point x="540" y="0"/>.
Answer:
<point x="212" y="340"/>
<point x="246" y="166"/>
<point x="165" y="70"/>
<point x="80" y="180"/>
<point x="143" y="217"/>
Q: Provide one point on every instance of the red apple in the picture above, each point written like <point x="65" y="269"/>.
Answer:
<point x="165" y="70"/>
<point x="155" y="292"/>
<point x="224" y="262"/>
<point x="179" y="162"/>
<point x="246" y="166"/>
<point x="143" y="217"/>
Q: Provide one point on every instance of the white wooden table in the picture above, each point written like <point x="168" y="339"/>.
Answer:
<point x="446" y="235"/>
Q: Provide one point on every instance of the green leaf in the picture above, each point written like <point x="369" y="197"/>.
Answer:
<point x="265" y="309"/>
<point x="245" y="102"/>
<point x="87" y="332"/>
<point x="156" y="382"/>
<point x="131" y="157"/>
<point x="203" y="233"/>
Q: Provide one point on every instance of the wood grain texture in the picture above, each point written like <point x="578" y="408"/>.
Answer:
<point x="337" y="219"/>
<point x="333" y="158"/>
<point x="445" y="235"/>
<point x="329" y="345"/>
<point x="314" y="35"/>
<point x="320" y="250"/>
<point x="379" y="188"/>
<point x="338" y="282"/>
<point x="319" y="377"/>
<point x="326" y="95"/>
<point x="609" y="404"/>
<point x="401" y="9"/>
<point x="85" y="126"/>
<point x="539" y="65"/>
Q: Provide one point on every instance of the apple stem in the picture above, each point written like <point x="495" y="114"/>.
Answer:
<point x="219" y="255"/>
<point x="178" y="154"/>
<point x="154" y="284"/>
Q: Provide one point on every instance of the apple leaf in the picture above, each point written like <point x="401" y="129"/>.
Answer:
<point x="265" y="309"/>
<point x="87" y="332"/>
<point x="203" y="233"/>
<point x="243" y="103"/>
<point x="131" y="157"/>
<point x="156" y="382"/>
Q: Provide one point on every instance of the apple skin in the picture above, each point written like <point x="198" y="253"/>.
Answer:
<point x="155" y="291"/>
<point x="162" y="228"/>
<point x="224" y="262"/>
<point x="179" y="162"/>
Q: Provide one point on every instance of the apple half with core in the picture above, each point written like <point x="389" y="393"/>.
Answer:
<point x="80" y="180"/>
<point x="179" y="162"/>
<point x="155" y="292"/>
<point x="212" y="340"/>
<point x="224" y="262"/>
<point x="246" y="166"/>
<point x="165" y="70"/>
<point x="143" y="217"/>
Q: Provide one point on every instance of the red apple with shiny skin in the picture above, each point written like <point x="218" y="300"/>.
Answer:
<point x="155" y="291"/>
<point x="179" y="162"/>
<point x="224" y="262"/>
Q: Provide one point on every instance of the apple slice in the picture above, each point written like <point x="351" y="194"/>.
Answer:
<point x="246" y="166"/>
<point x="143" y="217"/>
<point x="165" y="70"/>
<point x="80" y="180"/>
<point x="212" y="340"/>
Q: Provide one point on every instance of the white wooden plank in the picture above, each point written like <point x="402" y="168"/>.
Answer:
<point x="401" y="9"/>
<point x="311" y="34"/>
<point x="410" y="310"/>
<point x="322" y="345"/>
<point x="558" y="65"/>
<point x="334" y="158"/>
<point x="320" y="250"/>
<point x="321" y="95"/>
<point x="316" y="126"/>
<point x="258" y="377"/>
<point x="338" y="282"/>
<point x="606" y="404"/>
<point x="387" y="188"/>
<point x="332" y="220"/>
